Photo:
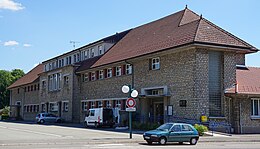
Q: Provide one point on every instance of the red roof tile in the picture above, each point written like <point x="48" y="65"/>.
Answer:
<point x="28" y="78"/>
<point x="248" y="81"/>
<point x="181" y="28"/>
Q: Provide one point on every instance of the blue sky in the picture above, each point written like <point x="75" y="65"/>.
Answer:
<point x="32" y="31"/>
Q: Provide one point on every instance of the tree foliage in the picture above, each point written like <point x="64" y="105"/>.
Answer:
<point x="6" y="79"/>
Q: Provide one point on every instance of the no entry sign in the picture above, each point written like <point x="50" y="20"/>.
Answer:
<point x="130" y="102"/>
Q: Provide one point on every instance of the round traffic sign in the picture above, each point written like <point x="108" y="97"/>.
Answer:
<point x="130" y="102"/>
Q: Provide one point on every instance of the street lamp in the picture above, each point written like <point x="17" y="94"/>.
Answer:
<point x="131" y="93"/>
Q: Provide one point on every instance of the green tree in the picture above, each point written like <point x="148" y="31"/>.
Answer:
<point x="6" y="79"/>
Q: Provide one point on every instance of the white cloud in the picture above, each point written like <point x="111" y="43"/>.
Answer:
<point x="27" y="45"/>
<point x="10" y="5"/>
<point x="11" y="43"/>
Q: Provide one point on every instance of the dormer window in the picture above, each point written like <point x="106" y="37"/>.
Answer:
<point x="100" y="49"/>
<point x="92" y="52"/>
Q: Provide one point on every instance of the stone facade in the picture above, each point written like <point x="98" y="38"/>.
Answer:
<point x="28" y="99"/>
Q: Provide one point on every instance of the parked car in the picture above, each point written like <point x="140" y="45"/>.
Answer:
<point x="172" y="132"/>
<point x="47" y="117"/>
<point x="99" y="117"/>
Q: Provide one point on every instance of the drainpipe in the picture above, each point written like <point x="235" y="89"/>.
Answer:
<point x="240" y="119"/>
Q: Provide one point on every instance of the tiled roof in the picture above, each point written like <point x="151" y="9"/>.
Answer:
<point x="248" y="81"/>
<point x="182" y="28"/>
<point x="28" y="78"/>
<point x="86" y="64"/>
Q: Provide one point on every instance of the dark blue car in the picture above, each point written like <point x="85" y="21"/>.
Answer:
<point x="172" y="132"/>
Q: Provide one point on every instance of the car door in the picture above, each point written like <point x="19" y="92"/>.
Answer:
<point x="186" y="133"/>
<point x="52" y="118"/>
<point x="175" y="133"/>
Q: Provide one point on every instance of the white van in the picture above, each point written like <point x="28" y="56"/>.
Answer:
<point x="99" y="117"/>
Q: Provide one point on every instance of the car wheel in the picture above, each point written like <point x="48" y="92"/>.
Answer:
<point x="149" y="142"/>
<point x="58" y="121"/>
<point x="193" y="141"/>
<point x="162" y="141"/>
<point x="42" y="121"/>
<point x="180" y="143"/>
<point x="86" y="124"/>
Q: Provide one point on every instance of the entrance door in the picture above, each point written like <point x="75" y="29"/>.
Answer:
<point x="159" y="113"/>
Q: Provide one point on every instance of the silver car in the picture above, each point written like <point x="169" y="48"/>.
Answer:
<point x="41" y="118"/>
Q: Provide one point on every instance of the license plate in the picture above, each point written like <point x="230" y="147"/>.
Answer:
<point x="146" y="137"/>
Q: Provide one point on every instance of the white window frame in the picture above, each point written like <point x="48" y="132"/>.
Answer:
<point x="118" y="71"/>
<point x="92" y="52"/>
<point x="65" y="105"/>
<point x="109" y="72"/>
<point x="108" y="104"/>
<point x="118" y="104"/>
<point x="253" y="114"/>
<point x="100" y="50"/>
<point x="100" y="104"/>
<point x="155" y="63"/>
<point x="84" y="106"/>
<point x="85" y="77"/>
<point x="53" y="106"/>
<point x="101" y="74"/>
<point x="128" y="69"/>
<point x="92" y="104"/>
<point x="93" y="76"/>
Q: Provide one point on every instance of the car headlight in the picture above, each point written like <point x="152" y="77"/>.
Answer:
<point x="154" y="135"/>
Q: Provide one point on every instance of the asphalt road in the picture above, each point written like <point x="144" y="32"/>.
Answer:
<point x="32" y="136"/>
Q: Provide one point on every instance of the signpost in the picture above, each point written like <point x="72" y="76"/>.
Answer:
<point x="130" y="102"/>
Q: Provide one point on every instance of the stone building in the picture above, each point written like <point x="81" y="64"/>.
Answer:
<point x="182" y="66"/>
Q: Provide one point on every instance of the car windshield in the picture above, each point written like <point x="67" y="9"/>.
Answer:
<point x="165" y="127"/>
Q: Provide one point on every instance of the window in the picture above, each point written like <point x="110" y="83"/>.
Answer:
<point x="43" y="107"/>
<point x="183" y="103"/>
<point x="78" y="57"/>
<point x="92" y="52"/>
<point x="18" y="90"/>
<point x="54" y="82"/>
<point x="18" y="103"/>
<point x="100" y="49"/>
<point x="93" y="76"/>
<point x="118" y="71"/>
<point x="84" y="106"/>
<point x="108" y="104"/>
<point x="54" y="106"/>
<point x="155" y="65"/>
<point x="176" y="128"/>
<point x="186" y="128"/>
<point x="118" y="104"/>
<point x="43" y="84"/>
<point x="60" y="64"/>
<point x="92" y="113"/>
<point x="100" y="104"/>
<point x="101" y="74"/>
<point x="255" y="107"/>
<point x="31" y="87"/>
<point x="85" y="77"/>
<point x="128" y="69"/>
<point x="35" y="87"/>
<point x="66" y="106"/>
<point x="66" y="80"/>
<point x="109" y="72"/>
<point x="75" y="58"/>
<point x="92" y="104"/>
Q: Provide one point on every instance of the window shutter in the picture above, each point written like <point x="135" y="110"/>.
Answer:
<point x="89" y="76"/>
<point x="97" y="75"/>
<point x="113" y="71"/>
<point x="123" y="69"/>
<point x="150" y="64"/>
<point x="104" y="103"/>
<point x="113" y="103"/>
<point x="89" y="105"/>
<point x="105" y="73"/>
<point x="122" y="104"/>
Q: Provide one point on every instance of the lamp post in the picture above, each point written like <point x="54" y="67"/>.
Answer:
<point x="131" y="93"/>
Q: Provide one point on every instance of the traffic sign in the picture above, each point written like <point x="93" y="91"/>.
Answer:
<point x="130" y="102"/>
